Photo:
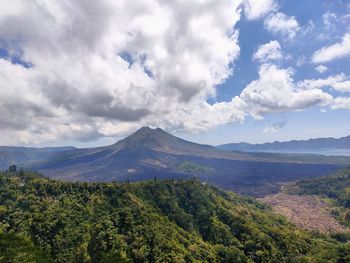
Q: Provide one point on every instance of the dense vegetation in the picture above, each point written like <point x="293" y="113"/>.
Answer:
<point x="335" y="187"/>
<point x="42" y="220"/>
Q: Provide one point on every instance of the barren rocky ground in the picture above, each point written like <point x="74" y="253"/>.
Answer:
<point x="308" y="212"/>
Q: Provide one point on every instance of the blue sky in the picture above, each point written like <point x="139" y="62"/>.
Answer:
<point x="311" y="122"/>
<point x="89" y="73"/>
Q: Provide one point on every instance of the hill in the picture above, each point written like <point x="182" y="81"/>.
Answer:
<point x="328" y="146"/>
<point x="25" y="155"/>
<point x="333" y="186"/>
<point x="156" y="221"/>
<point x="154" y="152"/>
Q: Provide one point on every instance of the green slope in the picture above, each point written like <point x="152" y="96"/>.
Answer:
<point x="154" y="221"/>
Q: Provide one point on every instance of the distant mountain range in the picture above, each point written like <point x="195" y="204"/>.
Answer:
<point x="150" y="153"/>
<point x="328" y="146"/>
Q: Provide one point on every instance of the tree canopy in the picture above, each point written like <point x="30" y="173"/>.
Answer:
<point x="43" y="220"/>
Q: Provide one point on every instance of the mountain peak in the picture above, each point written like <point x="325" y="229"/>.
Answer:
<point x="148" y="129"/>
<point x="149" y="137"/>
<point x="147" y="132"/>
<point x="145" y="128"/>
<point x="160" y="140"/>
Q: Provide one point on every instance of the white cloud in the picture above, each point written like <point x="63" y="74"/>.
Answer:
<point x="105" y="68"/>
<point x="341" y="103"/>
<point x="343" y="86"/>
<point x="329" y="19"/>
<point x="254" y="9"/>
<point x="280" y="23"/>
<point x="110" y="65"/>
<point x="268" y="52"/>
<point x="275" y="91"/>
<point x="337" y="82"/>
<point x="205" y="116"/>
<point x="321" y="69"/>
<point x="9" y="8"/>
<point x="332" y="52"/>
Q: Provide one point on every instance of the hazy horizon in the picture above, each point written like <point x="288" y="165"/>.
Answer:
<point x="115" y="140"/>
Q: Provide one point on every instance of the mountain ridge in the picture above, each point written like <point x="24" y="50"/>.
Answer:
<point x="302" y="145"/>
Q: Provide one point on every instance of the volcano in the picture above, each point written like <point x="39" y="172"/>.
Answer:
<point x="154" y="153"/>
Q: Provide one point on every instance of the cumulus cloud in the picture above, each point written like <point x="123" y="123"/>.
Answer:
<point x="332" y="52"/>
<point x="256" y="9"/>
<point x="113" y="64"/>
<point x="276" y="91"/>
<point x="268" y="52"/>
<point x="337" y="82"/>
<point x="280" y="23"/>
<point x="87" y="69"/>
<point x="321" y="69"/>
<point x="341" y="103"/>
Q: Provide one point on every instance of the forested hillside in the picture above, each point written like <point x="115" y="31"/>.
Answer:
<point x="336" y="185"/>
<point x="156" y="221"/>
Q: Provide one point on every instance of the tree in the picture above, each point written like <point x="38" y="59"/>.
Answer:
<point x="13" y="168"/>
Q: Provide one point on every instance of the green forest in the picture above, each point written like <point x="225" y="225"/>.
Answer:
<point x="43" y="220"/>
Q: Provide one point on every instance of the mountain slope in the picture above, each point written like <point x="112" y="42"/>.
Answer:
<point x="333" y="186"/>
<point x="24" y="155"/>
<point x="153" y="152"/>
<point x="155" y="221"/>
<point x="143" y="150"/>
<point x="313" y="145"/>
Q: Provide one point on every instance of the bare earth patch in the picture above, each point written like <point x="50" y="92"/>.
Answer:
<point x="308" y="212"/>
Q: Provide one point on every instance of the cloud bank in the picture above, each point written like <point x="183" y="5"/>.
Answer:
<point x="83" y="69"/>
<point x="98" y="65"/>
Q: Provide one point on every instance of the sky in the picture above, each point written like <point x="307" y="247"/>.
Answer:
<point x="87" y="73"/>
